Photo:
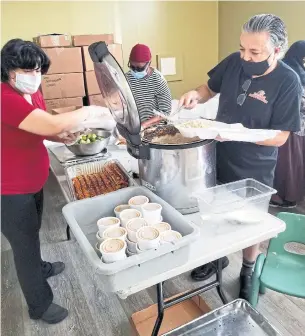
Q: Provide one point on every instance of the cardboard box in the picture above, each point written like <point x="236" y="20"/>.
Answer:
<point x="63" y="102"/>
<point x="115" y="49"/>
<point x="63" y="86"/>
<point x="92" y="87"/>
<point x="64" y="60"/>
<point x="53" y="40"/>
<point x="174" y="317"/>
<point x="97" y="100"/>
<point x="86" y="40"/>
<point x="65" y="109"/>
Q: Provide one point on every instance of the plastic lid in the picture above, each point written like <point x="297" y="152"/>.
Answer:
<point x="112" y="245"/>
<point x="115" y="88"/>
<point x="136" y="223"/>
<point x="148" y="233"/>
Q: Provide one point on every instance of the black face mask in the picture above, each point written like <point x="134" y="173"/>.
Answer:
<point x="255" y="68"/>
<point x="137" y="69"/>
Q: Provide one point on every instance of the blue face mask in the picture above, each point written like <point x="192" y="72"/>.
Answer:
<point x="139" y="74"/>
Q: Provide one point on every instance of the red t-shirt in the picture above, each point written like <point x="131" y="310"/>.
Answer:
<point x="24" y="158"/>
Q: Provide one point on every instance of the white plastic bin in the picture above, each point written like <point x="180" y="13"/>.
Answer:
<point x="82" y="216"/>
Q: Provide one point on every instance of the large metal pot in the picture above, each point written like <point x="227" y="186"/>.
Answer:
<point x="175" y="172"/>
<point x="171" y="171"/>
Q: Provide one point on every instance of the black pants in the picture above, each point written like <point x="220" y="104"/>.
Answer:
<point x="21" y="217"/>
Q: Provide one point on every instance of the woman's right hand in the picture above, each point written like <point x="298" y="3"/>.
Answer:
<point x="190" y="99"/>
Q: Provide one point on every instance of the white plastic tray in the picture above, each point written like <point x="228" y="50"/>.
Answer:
<point x="233" y="132"/>
<point x="82" y="216"/>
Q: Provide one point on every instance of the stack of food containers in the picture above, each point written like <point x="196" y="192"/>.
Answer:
<point x="137" y="227"/>
<point x="93" y="91"/>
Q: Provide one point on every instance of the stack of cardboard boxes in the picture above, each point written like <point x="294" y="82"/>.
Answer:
<point x="71" y="75"/>
<point x="63" y="85"/>
<point x="92" y="89"/>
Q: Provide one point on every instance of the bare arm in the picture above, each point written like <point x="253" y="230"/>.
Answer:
<point x="278" y="141"/>
<point x="201" y="95"/>
<point x="42" y="123"/>
<point x="205" y="93"/>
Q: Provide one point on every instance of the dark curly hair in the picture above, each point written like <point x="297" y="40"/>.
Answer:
<point x="22" y="54"/>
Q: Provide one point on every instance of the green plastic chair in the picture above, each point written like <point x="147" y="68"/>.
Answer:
<point x="280" y="270"/>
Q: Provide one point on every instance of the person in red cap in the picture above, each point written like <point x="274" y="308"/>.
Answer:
<point x="149" y="87"/>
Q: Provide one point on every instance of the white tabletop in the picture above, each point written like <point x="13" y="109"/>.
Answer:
<point x="217" y="239"/>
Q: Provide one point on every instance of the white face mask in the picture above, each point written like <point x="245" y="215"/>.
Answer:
<point x="28" y="84"/>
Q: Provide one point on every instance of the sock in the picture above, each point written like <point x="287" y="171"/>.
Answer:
<point x="247" y="267"/>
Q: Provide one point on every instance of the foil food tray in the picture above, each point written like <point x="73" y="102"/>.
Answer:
<point x="237" y="318"/>
<point x="90" y="167"/>
<point x="66" y="157"/>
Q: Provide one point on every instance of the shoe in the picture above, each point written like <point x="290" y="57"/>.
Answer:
<point x="54" y="314"/>
<point x="284" y="204"/>
<point x="206" y="271"/>
<point x="56" y="268"/>
<point x="245" y="286"/>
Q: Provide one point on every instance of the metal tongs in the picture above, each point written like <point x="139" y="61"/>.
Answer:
<point x="169" y="118"/>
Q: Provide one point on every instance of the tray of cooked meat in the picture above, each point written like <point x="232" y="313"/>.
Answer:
<point x="166" y="135"/>
<point x="96" y="177"/>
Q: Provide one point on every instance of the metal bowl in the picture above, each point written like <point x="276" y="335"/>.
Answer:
<point x="94" y="147"/>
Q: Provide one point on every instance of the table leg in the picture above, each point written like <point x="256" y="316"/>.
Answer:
<point x="219" y="280"/>
<point x="68" y="232"/>
<point x="160" y="299"/>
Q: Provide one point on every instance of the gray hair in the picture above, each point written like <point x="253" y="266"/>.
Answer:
<point x="271" y="24"/>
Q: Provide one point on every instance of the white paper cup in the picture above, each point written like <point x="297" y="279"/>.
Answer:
<point x="128" y="214"/>
<point x="171" y="236"/>
<point x="99" y="238"/>
<point x="152" y="212"/>
<point x="137" y="202"/>
<point x="133" y="226"/>
<point x="139" y="251"/>
<point x="153" y="222"/>
<point x="118" y="209"/>
<point x="129" y="253"/>
<point x="115" y="232"/>
<point x="131" y="246"/>
<point x="113" y="250"/>
<point x="107" y="222"/>
<point x="162" y="227"/>
<point x="97" y="248"/>
<point x="148" y="238"/>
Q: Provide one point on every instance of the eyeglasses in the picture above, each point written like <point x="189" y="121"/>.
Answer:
<point x="138" y="69"/>
<point x="242" y="97"/>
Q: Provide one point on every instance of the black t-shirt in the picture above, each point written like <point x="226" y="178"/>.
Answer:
<point x="273" y="102"/>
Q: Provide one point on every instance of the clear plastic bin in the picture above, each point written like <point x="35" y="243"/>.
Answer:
<point x="244" y="198"/>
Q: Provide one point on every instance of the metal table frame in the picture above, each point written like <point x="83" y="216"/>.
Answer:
<point x="164" y="304"/>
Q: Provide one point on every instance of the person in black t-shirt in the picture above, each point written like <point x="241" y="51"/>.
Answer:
<point x="261" y="92"/>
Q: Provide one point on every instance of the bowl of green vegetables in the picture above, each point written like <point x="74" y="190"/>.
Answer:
<point x="91" y="143"/>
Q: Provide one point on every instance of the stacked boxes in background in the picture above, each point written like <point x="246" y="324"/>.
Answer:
<point x="94" y="96"/>
<point x="71" y="75"/>
<point x="63" y="85"/>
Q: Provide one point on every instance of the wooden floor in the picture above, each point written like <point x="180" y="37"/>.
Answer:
<point x="95" y="313"/>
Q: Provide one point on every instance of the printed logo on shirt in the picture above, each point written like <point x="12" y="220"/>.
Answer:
<point x="260" y="95"/>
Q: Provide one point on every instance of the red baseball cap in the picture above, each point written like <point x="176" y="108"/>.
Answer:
<point x="140" y="53"/>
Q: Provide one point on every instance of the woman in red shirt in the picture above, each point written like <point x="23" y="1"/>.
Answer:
<point x="25" y="169"/>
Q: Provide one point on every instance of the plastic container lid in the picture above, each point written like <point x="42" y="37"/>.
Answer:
<point x="112" y="245"/>
<point x="115" y="88"/>
<point x="136" y="223"/>
<point x="148" y="233"/>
